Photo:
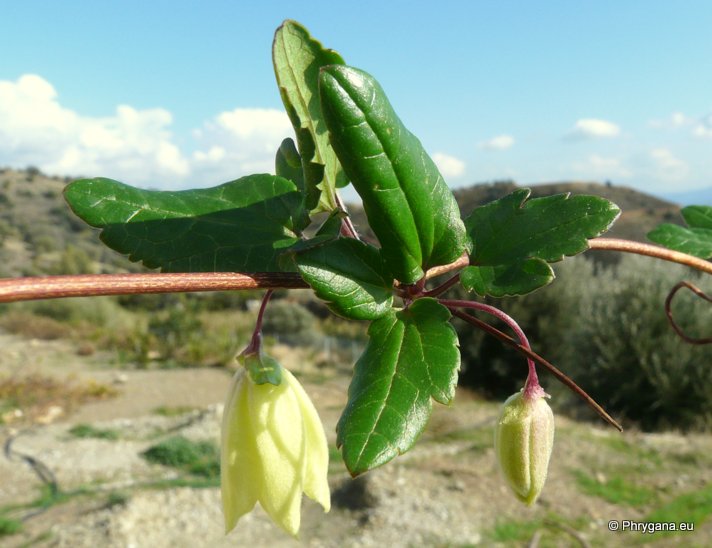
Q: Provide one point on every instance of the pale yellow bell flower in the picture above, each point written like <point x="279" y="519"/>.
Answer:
<point x="273" y="449"/>
<point x="524" y="438"/>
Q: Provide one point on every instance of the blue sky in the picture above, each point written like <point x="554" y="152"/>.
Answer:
<point x="180" y="94"/>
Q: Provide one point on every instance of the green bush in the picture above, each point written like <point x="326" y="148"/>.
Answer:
<point x="184" y="338"/>
<point x="31" y="326"/>
<point x="97" y="311"/>
<point x="150" y="302"/>
<point x="200" y="458"/>
<point x="606" y="328"/>
<point x="9" y="526"/>
<point x="625" y="354"/>
<point x="160" y="336"/>
<point x="89" y="431"/>
<point x="291" y="323"/>
<point x="226" y="300"/>
<point x="72" y="260"/>
<point x="170" y="332"/>
<point x="616" y="490"/>
<point x="496" y="370"/>
<point x="174" y="327"/>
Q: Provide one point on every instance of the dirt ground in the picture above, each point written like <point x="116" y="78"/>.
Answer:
<point x="445" y="492"/>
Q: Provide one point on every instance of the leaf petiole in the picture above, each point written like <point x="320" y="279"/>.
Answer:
<point x="560" y="375"/>
<point x="256" y="341"/>
<point x="531" y="386"/>
<point x="443" y="287"/>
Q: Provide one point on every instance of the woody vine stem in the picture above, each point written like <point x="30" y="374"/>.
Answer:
<point x="52" y="287"/>
<point x="92" y="285"/>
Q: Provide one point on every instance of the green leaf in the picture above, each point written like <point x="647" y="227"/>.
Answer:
<point x="408" y="204"/>
<point x="507" y="280"/>
<point x="350" y="276"/>
<point x="329" y="230"/>
<point x="508" y="233"/>
<point x="288" y="163"/>
<point x="262" y="368"/>
<point x="332" y="224"/>
<point x="697" y="216"/>
<point x="239" y="226"/>
<point x="297" y="58"/>
<point x="411" y="357"/>
<point x="694" y="241"/>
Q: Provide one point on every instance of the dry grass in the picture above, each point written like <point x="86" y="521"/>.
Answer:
<point x="42" y="399"/>
<point x="32" y="326"/>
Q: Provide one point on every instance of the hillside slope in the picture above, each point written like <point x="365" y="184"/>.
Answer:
<point x="40" y="235"/>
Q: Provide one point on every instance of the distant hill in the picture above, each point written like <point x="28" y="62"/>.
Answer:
<point x="40" y="235"/>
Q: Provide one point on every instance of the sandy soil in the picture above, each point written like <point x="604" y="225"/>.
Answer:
<point x="445" y="492"/>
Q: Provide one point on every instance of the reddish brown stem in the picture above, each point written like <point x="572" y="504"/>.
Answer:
<point x="536" y="357"/>
<point x="443" y="287"/>
<point x="92" y="285"/>
<point x="85" y="285"/>
<point x="668" y="311"/>
<point x="649" y="250"/>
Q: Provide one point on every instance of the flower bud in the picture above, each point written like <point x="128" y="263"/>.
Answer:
<point x="273" y="450"/>
<point x="523" y="441"/>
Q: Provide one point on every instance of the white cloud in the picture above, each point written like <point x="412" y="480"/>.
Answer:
<point x="666" y="166"/>
<point x="215" y="154"/>
<point x="704" y="127"/>
<point x="591" y="128"/>
<point x="678" y="119"/>
<point x="132" y="145"/>
<point x="501" y="142"/>
<point x="699" y="127"/>
<point x="599" y="168"/>
<point x="448" y="165"/>
<point x="675" y="120"/>
<point x="239" y="142"/>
